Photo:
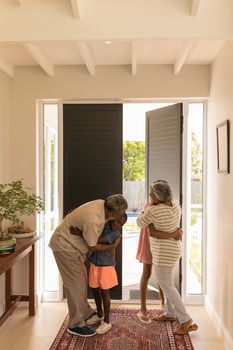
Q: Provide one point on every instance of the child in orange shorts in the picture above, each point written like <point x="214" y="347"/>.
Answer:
<point x="102" y="274"/>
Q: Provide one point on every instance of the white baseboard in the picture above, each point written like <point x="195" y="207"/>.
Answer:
<point x="50" y="296"/>
<point x="221" y="329"/>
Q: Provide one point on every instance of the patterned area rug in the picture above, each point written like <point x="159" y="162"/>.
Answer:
<point x="127" y="333"/>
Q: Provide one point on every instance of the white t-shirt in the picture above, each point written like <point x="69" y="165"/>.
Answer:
<point x="89" y="218"/>
<point x="165" y="252"/>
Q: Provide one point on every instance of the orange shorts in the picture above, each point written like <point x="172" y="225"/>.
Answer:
<point x="103" y="277"/>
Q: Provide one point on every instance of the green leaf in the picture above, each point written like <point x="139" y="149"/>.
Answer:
<point x="133" y="160"/>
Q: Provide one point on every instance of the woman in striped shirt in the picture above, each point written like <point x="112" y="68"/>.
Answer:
<point x="165" y="216"/>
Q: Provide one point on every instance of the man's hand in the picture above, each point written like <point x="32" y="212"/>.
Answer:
<point x="117" y="242"/>
<point x="112" y="252"/>
<point x="179" y="234"/>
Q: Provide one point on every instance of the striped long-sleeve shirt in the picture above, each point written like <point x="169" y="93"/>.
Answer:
<point x="165" y="252"/>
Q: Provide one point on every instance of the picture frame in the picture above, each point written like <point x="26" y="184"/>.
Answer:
<point x="223" y="147"/>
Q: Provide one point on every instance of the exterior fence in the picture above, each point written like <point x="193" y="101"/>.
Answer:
<point x="134" y="192"/>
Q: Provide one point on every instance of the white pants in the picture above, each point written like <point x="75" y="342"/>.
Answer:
<point x="174" y="306"/>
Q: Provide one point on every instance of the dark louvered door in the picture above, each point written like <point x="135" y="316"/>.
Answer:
<point x="92" y="159"/>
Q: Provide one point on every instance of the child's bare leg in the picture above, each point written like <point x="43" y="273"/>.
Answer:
<point x="98" y="300"/>
<point x="146" y="273"/>
<point x="161" y="296"/>
<point x="106" y="304"/>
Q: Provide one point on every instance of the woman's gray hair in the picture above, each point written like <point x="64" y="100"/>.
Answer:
<point x="116" y="203"/>
<point x="162" y="190"/>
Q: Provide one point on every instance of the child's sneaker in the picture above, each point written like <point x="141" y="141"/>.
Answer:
<point x="103" y="328"/>
<point x="93" y="319"/>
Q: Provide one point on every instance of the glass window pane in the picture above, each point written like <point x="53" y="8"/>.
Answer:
<point x="50" y="273"/>
<point x="195" y="217"/>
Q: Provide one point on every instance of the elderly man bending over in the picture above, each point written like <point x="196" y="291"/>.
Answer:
<point x="78" y="233"/>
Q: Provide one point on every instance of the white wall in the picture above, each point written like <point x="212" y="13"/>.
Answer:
<point x="4" y="148"/>
<point x="220" y="201"/>
<point x="5" y="83"/>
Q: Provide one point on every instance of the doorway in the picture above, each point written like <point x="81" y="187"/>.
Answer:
<point x="151" y="150"/>
<point x="193" y="215"/>
<point x="191" y="266"/>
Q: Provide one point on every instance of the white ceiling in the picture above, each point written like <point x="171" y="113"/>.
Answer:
<point x="29" y="37"/>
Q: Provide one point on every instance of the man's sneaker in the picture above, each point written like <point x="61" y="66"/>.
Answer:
<point x="103" y="328"/>
<point x="93" y="319"/>
<point x="82" y="331"/>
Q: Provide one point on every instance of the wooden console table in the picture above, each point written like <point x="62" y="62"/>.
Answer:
<point x="24" y="246"/>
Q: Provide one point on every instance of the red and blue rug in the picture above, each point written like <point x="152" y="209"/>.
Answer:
<point x="127" y="333"/>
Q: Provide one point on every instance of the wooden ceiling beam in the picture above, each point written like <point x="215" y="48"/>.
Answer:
<point x="40" y="57"/>
<point x="182" y="56"/>
<point x="75" y="8"/>
<point x="6" y="67"/>
<point x="194" y="7"/>
<point x="17" y="2"/>
<point x="135" y="55"/>
<point x="87" y="57"/>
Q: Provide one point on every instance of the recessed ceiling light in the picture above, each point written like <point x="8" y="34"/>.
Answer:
<point x="108" y="42"/>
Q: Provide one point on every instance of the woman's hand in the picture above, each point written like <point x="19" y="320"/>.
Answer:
<point x="165" y="235"/>
<point x="179" y="234"/>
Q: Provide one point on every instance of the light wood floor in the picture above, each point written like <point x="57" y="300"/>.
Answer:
<point x="21" y="332"/>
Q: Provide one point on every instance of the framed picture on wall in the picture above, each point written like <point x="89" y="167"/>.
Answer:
<point x="223" y="147"/>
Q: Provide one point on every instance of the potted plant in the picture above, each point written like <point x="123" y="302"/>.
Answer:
<point x="16" y="201"/>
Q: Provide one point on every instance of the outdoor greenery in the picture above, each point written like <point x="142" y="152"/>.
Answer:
<point x="193" y="220"/>
<point x="133" y="160"/>
<point x="16" y="201"/>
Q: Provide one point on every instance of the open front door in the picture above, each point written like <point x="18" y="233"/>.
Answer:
<point x="164" y="153"/>
<point x="92" y="160"/>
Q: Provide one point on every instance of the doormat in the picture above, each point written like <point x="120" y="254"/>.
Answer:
<point x="127" y="333"/>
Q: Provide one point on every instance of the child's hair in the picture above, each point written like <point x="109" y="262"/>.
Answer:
<point x="125" y="216"/>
